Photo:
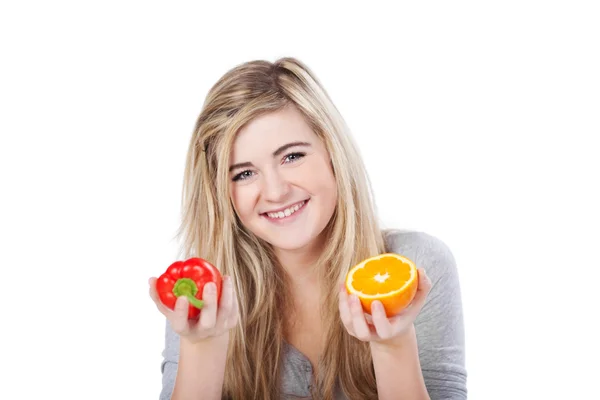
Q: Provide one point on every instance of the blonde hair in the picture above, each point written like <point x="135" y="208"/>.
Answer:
<point x="211" y="230"/>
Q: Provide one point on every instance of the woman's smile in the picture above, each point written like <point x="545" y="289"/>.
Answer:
<point x="286" y="215"/>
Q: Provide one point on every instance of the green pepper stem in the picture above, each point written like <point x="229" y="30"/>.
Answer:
<point x="187" y="287"/>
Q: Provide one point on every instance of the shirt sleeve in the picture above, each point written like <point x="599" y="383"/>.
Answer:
<point x="170" y="361"/>
<point x="439" y="326"/>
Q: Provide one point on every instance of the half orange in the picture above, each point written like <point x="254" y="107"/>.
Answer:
<point x="389" y="278"/>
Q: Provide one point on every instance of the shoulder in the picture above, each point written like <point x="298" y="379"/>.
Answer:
<point x="425" y="250"/>
<point x="420" y="245"/>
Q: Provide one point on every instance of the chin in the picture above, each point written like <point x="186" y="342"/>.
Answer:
<point x="290" y="243"/>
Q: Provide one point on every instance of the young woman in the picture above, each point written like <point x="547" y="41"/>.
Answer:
<point x="277" y="197"/>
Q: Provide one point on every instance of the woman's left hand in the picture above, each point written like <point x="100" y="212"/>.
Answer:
<point x="377" y="327"/>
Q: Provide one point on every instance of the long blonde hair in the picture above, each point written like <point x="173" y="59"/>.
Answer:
<point x="210" y="229"/>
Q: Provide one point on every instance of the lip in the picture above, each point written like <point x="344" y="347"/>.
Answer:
<point x="284" y="208"/>
<point x="289" y="218"/>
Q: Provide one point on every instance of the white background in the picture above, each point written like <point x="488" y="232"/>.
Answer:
<point x="478" y="122"/>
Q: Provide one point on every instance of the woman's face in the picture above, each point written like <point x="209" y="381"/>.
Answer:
<point x="282" y="184"/>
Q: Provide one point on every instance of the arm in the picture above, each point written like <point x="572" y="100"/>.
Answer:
<point x="398" y="369"/>
<point x="439" y="326"/>
<point x="195" y="352"/>
<point x="193" y="370"/>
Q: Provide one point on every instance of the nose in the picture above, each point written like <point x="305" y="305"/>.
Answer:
<point x="275" y="187"/>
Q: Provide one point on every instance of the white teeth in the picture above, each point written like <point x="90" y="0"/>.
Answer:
<point x="287" y="212"/>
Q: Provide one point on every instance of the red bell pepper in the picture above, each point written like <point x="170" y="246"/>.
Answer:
<point x="187" y="278"/>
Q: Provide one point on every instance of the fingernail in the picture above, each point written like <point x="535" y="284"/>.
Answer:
<point x="210" y="288"/>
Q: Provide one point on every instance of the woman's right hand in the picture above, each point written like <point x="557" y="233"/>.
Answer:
<point x="215" y="319"/>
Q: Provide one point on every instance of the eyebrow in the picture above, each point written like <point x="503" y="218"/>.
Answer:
<point x="275" y="154"/>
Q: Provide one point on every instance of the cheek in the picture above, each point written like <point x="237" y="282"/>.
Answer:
<point x="325" y="182"/>
<point x="244" y="200"/>
<point x="331" y="188"/>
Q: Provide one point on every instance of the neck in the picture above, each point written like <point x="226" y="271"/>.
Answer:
<point x="300" y="265"/>
<point x="304" y="282"/>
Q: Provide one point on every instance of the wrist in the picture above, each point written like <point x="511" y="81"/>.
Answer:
<point x="211" y="341"/>
<point x="406" y="338"/>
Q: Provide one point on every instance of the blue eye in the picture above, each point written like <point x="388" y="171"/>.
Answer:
<point x="243" y="175"/>
<point x="292" y="157"/>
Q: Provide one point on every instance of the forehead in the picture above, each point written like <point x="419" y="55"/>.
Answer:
<point x="270" y="131"/>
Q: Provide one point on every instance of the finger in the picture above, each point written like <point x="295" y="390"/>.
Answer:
<point x="179" y="316"/>
<point x="383" y="327"/>
<point x="345" y="314"/>
<point x="224" y="309"/>
<point x="154" y="296"/>
<point x="424" y="281"/>
<point x="420" y="297"/>
<point x="235" y="311"/>
<point x="423" y="288"/>
<point x="208" y="316"/>
<point x="359" y="325"/>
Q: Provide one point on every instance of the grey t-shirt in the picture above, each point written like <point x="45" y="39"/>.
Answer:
<point x="439" y="327"/>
